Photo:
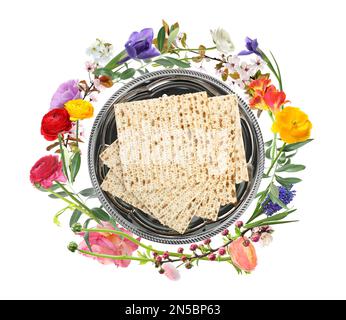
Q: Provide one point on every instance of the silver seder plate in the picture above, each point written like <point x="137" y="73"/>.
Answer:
<point x="153" y="85"/>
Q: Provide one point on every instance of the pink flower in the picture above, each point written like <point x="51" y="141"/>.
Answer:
<point x="110" y="244"/>
<point x="98" y="85"/>
<point x="47" y="170"/>
<point x="171" y="271"/>
<point x="67" y="91"/>
<point x="90" y="66"/>
<point x="243" y="256"/>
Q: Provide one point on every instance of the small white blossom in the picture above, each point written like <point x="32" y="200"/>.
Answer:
<point x="266" y="239"/>
<point x="222" y="40"/>
<point x="100" y="51"/>
<point x="258" y="63"/>
<point x="90" y="66"/>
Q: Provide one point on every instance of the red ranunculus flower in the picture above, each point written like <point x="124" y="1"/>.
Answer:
<point x="55" y="122"/>
<point x="47" y="170"/>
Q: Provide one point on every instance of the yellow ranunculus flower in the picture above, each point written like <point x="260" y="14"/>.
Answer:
<point x="79" y="109"/>
<point x="292" y="124"/>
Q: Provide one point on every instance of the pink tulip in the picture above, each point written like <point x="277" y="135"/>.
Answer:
<point x="244" y="257"/>
<point x="110" y="244"/>
<point x="171" y="271"/>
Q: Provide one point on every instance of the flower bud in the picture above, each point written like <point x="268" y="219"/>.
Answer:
<point x="212" y="257"/>
<point x="161" y="271"/>
<point x="222" y="251"/>
<point x="255" y="237"/>
<point x="72" y="246"/>
<point x="188" y="265"/>
<point x="246" y="243"/>
<point x="180" y="250"/>
<point x="77" y="227"/>
<point x="165" y="255"/>
<point x="193" y="247"/>
<point x="183" y="258"/>
<point x="207" y="241"/>
<point x="158" y="259"/>
<point x="239" y="224"/>
<point x="225" y="232"/>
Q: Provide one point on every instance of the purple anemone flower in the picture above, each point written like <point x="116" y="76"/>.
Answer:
<point x="251" y="46"/>
<point x="140" y="45"/>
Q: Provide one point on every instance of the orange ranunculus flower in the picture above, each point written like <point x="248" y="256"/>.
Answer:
<point x="292" y="124"/>
<point x="259" y="86"/>
<point x="274" y="99"/>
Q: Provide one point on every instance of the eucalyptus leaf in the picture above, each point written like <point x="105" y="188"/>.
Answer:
<point x="268" y="143"/>
<point x="75" y="165"/>
<point x="61" y="194"/>
<point x="165" y="63"/>
<point x="161" y="39"/>
<point x="75" y="217"/>
<point x="179" y="63"/>
<point x="286" y="182"/>
<point x="128" y="73"/>
<point x="53" y="188"/>
<point x="268" y="153"/>
<point x="87" y="192"/>
<point x="291" y="168"/>
<point x="297" y="145"/>
<point x="267" y="221"/>
<point x="101" y="214"/>
<point x="86" y="234"/>
<point x="115" y="61"/>
<point x="172" y="36"/>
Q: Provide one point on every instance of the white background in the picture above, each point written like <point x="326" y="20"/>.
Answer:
<point x="43" y="44"/>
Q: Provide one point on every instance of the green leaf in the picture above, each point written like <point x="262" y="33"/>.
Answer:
<point x="179" y="63"/>
<point x="101" y="214"/>
<point x="274" y="195"/>
<point x="172" y="36"/>
<point x="87" y="192"/>
<point x="165" y="63"/>
<point x="61" y="193"/>
<point x="268" y="153"/>
<point x="292" y="154"/>
<point x="295" y="146"/>
<point x="287" y="181"/>
<point x="104" y="72"/>
<point x="114" y="62"/>
<point x="268" y="143"/>
<point x="75" y="217"/>
<point x="128" y="73"/>
<point x="75" y="166"/>
<point x="282" y="159"/>
<point x="57" y="215"/>
<point x="259" y="194"/>
<point x="291" y="168"/>
<point x="267" y="221"/>
<point x="161" y="39"/>
<point x="86" y="235"/>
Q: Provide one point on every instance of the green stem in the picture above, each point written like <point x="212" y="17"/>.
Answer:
<point x="63" y="156"/>
<point x="99" y="255"/>
<point x="77" y="132"/>
<point x="62" y="198"/>
<point x="193" y="49"/>
<point x="276" y="159"/>
<point x="74" y="198"/>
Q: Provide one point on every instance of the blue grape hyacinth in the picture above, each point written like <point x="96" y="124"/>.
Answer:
<point x="286" y="195"/>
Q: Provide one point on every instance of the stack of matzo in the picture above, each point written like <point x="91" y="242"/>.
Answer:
<point x="177" y="157"/>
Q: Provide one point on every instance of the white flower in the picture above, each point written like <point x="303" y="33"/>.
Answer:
<point x="266" y="239"/>
<point x="246" y="71"/>
<point x="100" y="51"/>
<point x="233" y="63"/>
<point x="222" y="40"/>
<point x="258" y="63"/>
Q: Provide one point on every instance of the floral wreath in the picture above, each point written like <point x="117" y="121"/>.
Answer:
<point x="106" y="241"/>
